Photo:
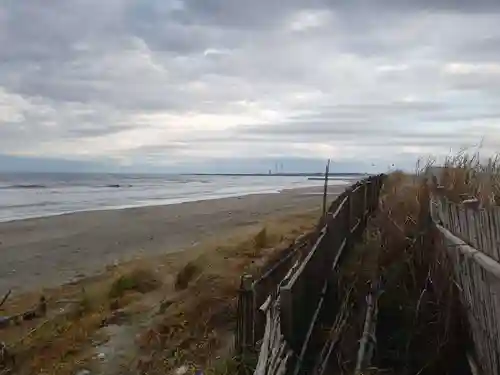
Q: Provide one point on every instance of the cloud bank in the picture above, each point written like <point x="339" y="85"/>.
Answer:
<point x="171" y="83"/>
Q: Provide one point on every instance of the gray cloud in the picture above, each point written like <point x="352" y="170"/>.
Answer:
<point x="144" y="82"/>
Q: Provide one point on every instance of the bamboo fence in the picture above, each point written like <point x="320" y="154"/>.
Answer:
<point x="471" y="235"/>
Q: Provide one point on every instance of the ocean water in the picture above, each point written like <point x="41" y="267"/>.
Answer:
<point x="42" y="194"/>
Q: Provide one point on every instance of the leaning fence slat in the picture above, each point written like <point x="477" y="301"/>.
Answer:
<point x="462" y="222"/>
<point x="448" y="223"/>
<point x="462" y="217"/>
<point x="275" y="361"/>
<point x="487" y="235"/>
<point x="282" y="366"/>
<point x="366" y="343"/>
<point x="456" y="219"/>
<point x="262" y="362"/>
<point x="496" y="304"/>
<point x="472" y="221"/>
<point x="496" y="229"/>
<point x="475" y="223"/>
<point x="491" y="224"/>
<point x="454" y="214"/>
<point x="484" y="232"/>
<point x="458" y="222"/>
<point x="451" y="214"/>
<point x="275" y="332"/>
<point x="490" y="318"/>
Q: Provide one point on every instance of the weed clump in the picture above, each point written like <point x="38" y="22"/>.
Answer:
<point x="261" y="239"/>
<point x="139" y="280"/>
<point x="186" y="275"/>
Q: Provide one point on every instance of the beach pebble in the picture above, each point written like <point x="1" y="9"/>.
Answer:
<point x="83" y="372"/>
<point x="101" y="356"/>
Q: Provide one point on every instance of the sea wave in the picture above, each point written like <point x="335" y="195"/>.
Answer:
<point x="24" y="186"/>
<point x="25" y="205"/>
<point x="116" y="186"/>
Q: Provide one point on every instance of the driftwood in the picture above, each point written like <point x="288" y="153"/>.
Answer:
<point x="39" y="311"/>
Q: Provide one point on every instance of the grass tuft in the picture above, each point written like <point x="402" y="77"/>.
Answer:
<point x="261" y="239"/>
<point x="139" y="280"/>
<point x="186" y="275"/>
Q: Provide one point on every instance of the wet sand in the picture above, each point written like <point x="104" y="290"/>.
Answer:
<point x="47" y="252"/>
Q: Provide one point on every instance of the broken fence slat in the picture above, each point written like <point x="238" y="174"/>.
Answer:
<point x="262" y="362"/>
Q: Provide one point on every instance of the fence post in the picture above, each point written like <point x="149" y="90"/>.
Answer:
<point x="366" y="185"/>
<point x="246" y="310"/>
<point x="379" y="184"/>
<point x="325" y="191"/>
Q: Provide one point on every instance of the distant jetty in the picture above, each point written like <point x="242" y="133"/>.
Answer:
<point x="310" y="176"/>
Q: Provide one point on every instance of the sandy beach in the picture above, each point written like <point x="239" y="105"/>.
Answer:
<point x="46" y="252"/>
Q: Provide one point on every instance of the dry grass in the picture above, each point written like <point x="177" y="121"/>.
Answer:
<point x="468" y="175"/>
<point x="260" y="239"/>
<point x="186" y="275"/>
<point x="64" y="339"/>
<point x="419" y="326"/>
<point x="198" y="324"/>
<point x="193" y="323"/>
<point x="139" y="280"/>
<point x="419" y="322"/>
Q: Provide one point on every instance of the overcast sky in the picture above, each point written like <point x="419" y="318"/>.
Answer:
<point x="165" y="83"/>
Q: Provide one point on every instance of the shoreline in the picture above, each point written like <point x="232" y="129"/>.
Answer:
<point x="145" y="205"/>
<point x="53" y="250"/>
<point x="174" y="201"/>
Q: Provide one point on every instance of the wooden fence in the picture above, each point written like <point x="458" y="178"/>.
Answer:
<point x="472" y="237"/>
<point x="278" y="314"/>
